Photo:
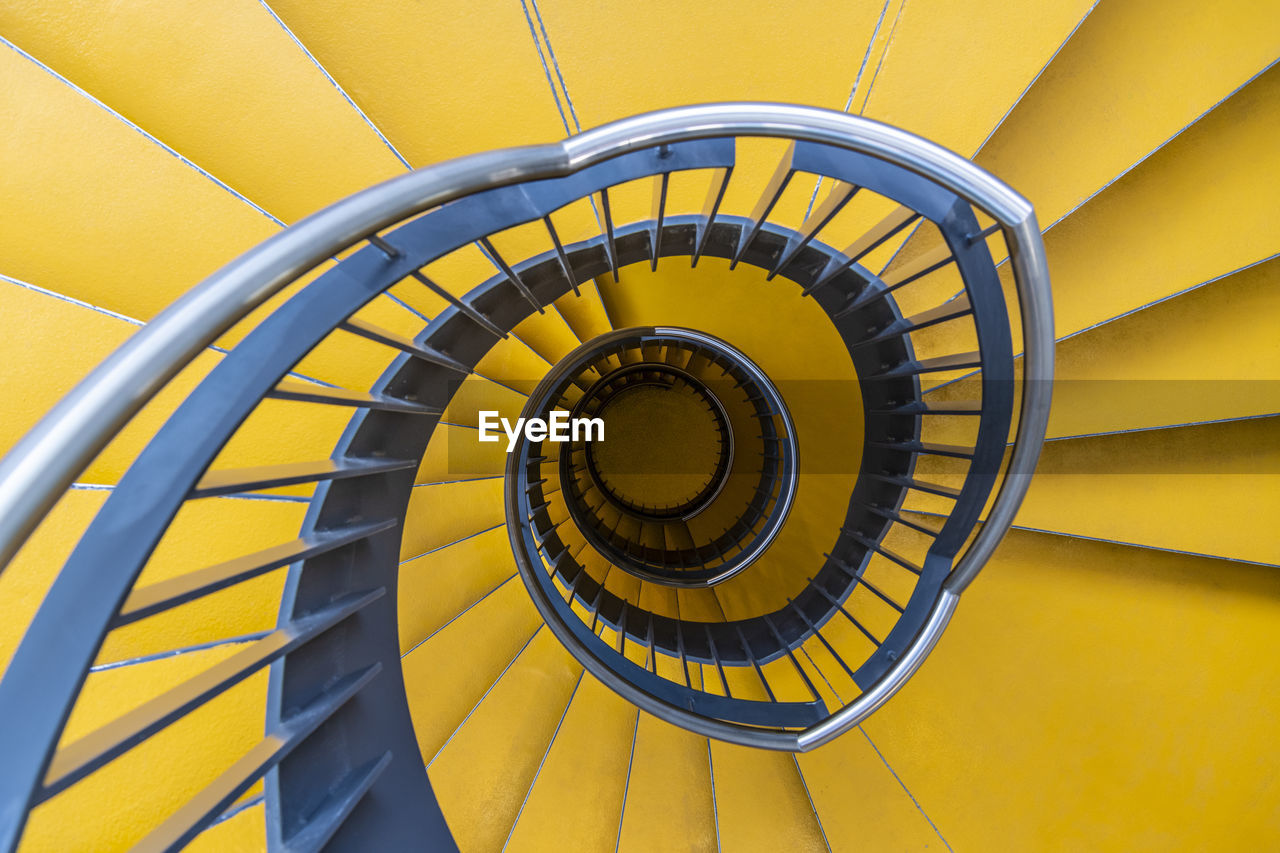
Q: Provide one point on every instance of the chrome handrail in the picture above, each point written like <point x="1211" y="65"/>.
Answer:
<point x="45" y="463"/>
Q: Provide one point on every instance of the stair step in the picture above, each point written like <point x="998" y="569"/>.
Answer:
<point x="669" y="803"/>
<point x="882" y="817"/>
<point x="761" y="802"/>
<point x="442" y="584"/>
<point x="1166" y="488"/>
<point x="443" y="513"/>
<point x="1206" y="355"/>
<point x="475" y="395"/>
<point x="593" y="743"/>
<point x="1084" y="617"/>
<point x="284" y="98"/>
<point x="189" y="224"/>
<point x="456" y="453"/>
<point x="447" y="676"/>
<point x="234" y="723"/>
<point x="482" y="775"/>
<point x="411" y="120"/>
<point x="987" y="77"/>
<point x="1075" y="106"/>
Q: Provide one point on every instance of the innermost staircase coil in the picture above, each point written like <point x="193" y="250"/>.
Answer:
<point x="686" y="504"/>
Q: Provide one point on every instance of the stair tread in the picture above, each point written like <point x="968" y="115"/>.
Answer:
<point x="118" y="788"/>
<point x="484" y="772"/>
<point x="882" y="816"/>
<point x="1076" y="106"/>
<point x="593" y="744"/>
<point x="442" y="513"/>
<point x="1206" y="355"/>
<point x="340" y="36"/>
<point x="188" y="224"/>
<point x="448" y="675"/>
<point x="668" y="797"/>
<point x="442" y="584"/>
<point x="761" y="802"/>
<point x="1179" y="488"/>
<point x="282" y="97"/>
<point x="1073" y="621"/>
<point x="960" y="102"/>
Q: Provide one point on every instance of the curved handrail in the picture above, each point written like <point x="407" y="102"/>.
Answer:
<point x="45" y="462"/>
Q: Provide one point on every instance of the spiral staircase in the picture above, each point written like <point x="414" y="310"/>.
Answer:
<point x="266" y="588"/>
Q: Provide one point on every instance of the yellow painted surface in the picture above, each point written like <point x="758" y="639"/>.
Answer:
<point x="225" y="85"/>
<point x="1198" y="209"/>
<point x="619" y="59"/>
<point x="952" y="69"/>
<point x="245" y="832"/>
<point x="1118" y="669"/>
<point x="475" y="395"/>
<point x="75" y="232"/>
<point x="454" y="453"/>
<point x="58" y="342"/>
<point x="436" y="587"/>
<point x="26" y="580"/>
<point x="114" y="807"/>
<point x="1206" y="355"/>
<point x="1206" y="489"/>
<point x="613" y="56"/>
<point x="1113" y="708"/>
<point x="584" y="314"/>
<point x="201" y="528"/>
<point x="352" y="361"/>
<point x="1120" y="88"/>
<point x="445" y="678"/>
<point x="881" y="816"/>
<point x="441" y="514"/>
<point x="761" y="803"/>
<point x="428" y="76"/>
<point x="595" y="735"/>
<point x="669" y="803"/>
<point x="484" y="773"/>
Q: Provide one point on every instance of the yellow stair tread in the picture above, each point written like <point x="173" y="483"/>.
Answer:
<point x="1096" y="696"/>
<point x="131" y="252"/>
<point x="288" y="139"/>
<point x="959" y="102"/>
<point x="445" y="512"/>
<point x="669" y="802"/>
<point x="1119" y="89"/>
<point x="1208" y="195"/>
<point x="446" y="677"/>
<point x="371" y="55"/>
<point x="761" y="801"/>
<point x="438" y="586"/>
<point x="113" y="808"/>
<point x="1210" y="354"/>
<point x="860" y="803"/>
<point x="483" y="774"/>
<point x="592" y="744"/>
<point x="1203" y="489"/>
